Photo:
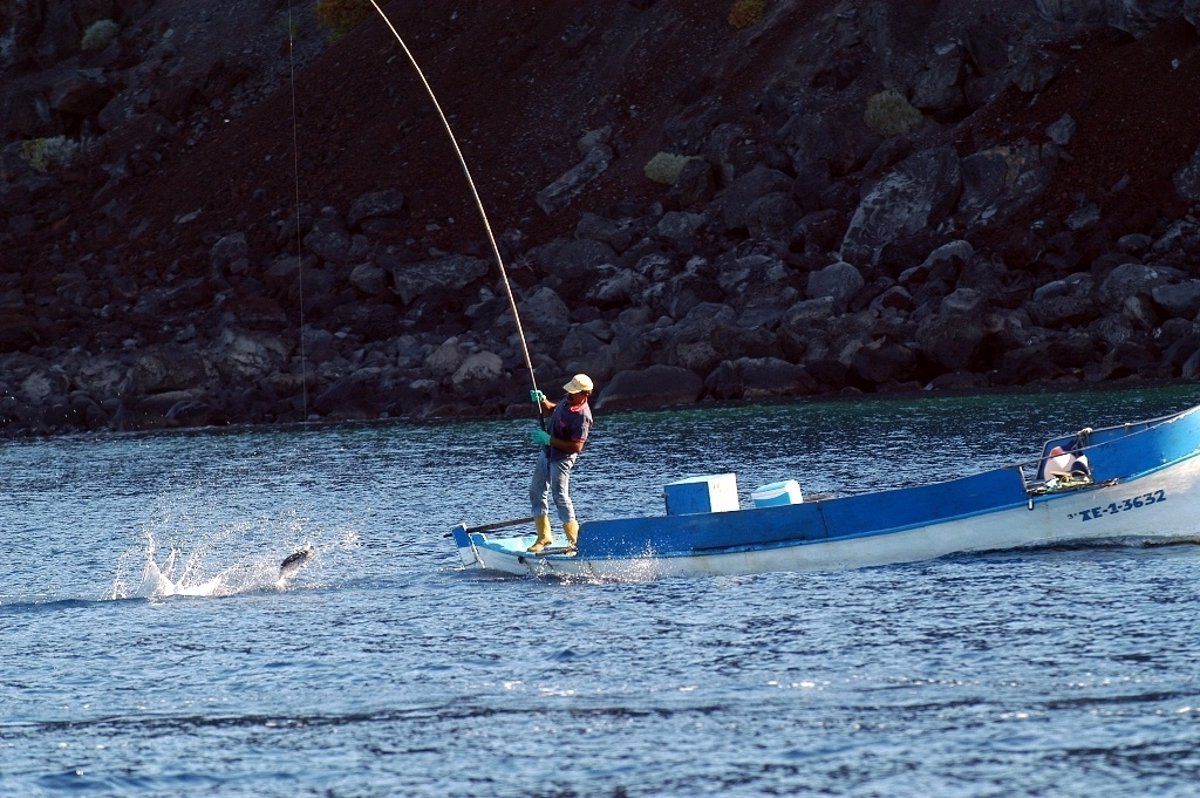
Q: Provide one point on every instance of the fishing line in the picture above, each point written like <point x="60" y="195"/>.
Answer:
<point x="462" y="162"/>
<point x="291" y="30"/>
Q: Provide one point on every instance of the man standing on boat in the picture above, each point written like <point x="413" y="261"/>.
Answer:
<point x="570" y="421"/>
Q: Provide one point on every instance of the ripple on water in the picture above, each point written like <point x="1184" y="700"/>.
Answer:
<point x="382" y="669"/>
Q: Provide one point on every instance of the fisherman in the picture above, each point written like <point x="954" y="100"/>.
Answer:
<point x="570" y="421"/>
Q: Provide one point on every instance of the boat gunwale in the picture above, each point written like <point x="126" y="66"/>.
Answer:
<point x="1031" y="500"/>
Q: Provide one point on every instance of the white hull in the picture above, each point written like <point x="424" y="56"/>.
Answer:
<point x="1055" y="519"/>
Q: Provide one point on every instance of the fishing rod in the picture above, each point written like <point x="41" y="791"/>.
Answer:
<point x="487" y="225"/>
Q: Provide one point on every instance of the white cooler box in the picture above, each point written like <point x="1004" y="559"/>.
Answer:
<point x="777" y="494"/>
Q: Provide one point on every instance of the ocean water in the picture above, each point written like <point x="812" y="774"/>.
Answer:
<point x="147" y="646"/>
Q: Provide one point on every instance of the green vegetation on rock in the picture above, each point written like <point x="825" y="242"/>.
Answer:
<point x="340" y="16"/>
<point x="42" y="154"/>
<point x="665" y="167"/>
<point x="889" y="113"/>
<point x="745" y="13"/>
<point x="99" y="35"/>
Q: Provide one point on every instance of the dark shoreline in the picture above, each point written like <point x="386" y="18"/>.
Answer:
<point x="27" y="436"/>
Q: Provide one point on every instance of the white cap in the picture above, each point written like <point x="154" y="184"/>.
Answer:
<point x="579" y="383"/>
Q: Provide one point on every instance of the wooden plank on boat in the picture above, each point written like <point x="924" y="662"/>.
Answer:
<point x="553" y="550"/>
<point x="500" y="524"/>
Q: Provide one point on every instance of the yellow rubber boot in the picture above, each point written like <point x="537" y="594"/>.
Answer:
<point x="572" y="529"/>
<point x="542" y="524"/>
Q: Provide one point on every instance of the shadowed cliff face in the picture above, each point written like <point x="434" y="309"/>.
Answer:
<point x="834" y="196"/>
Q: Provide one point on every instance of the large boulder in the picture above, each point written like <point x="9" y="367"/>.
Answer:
<point x="752" y="274"/>
<point x="695" y="184"/>
<point x="838" y="281"/>
<point x="242" y="355"/>
<point x="447" y="274"/>
<point x="938" y="87"/>
<point x="618" y="289"/>
<point x="386" y="203"/>
<point x="575" y="264"/>
<point x="951" y="337"/>
<point x="998" y="182"/>
<point x="230" y="254"/>
<point x="559" y="194"/>
<point x="820" y="138"/>
<point x="369" y="278"/>
<point x="678" y="227"/>
<point x="772" y="217"/>
<point x="746" y="190"/>
<point x="1131" y="279"/>
<point x="329" y="241"/>
<point x="653" y="387"/>
<point x="1136" y="17"/>
<point x="362" y="394"/>
<point x="880" y="362"/>
<point x="81" y="93"/>
<point x="756" y="378"/>
<point x="803" y="321"/>
<point x="911" y="199"/>
<point x="1187" y="179"/>
<point x="1180" y="300"/>
<point x="1071" y="300"/>
<point x="616" y="233"/>
<point x="479" y="375"/>
<point x="543" y="311"/>
<point x="587" y="343"/>
<point x="445" y="358"/>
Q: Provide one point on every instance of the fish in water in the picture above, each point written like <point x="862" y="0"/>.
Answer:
<point x="295" y="561"/>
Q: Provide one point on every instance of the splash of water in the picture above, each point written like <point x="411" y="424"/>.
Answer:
<point x="236" y="558"/>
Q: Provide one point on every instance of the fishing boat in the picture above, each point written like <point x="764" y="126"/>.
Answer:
<point x="1132" y="483"/>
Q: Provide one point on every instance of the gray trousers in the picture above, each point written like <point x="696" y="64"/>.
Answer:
<point x="553" y="478"/>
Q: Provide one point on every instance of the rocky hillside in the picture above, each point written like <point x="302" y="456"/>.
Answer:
<point x="695" y="201"/>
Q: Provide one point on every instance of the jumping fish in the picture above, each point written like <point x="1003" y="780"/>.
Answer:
<point x="295" y="561"/>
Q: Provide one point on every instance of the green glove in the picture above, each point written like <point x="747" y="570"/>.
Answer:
<point x="539" y="436"/>
<point x="537" y="397"/>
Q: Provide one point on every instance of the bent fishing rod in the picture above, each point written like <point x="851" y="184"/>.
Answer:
<point x="487" y="225"/>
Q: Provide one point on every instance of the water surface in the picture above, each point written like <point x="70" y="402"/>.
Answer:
<point x="382" y="669"/>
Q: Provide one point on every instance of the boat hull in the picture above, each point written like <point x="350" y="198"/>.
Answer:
<point x="1148" y="492"/>
<point x="1160" y="508"/>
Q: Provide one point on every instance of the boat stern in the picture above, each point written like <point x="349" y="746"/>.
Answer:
<point x="466" y="549"/>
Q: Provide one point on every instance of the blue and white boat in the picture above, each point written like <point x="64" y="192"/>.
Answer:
<point x="1132" y="483"/>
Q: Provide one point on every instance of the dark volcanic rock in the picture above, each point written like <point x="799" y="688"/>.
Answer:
<point x="656" y="386"/>
<point x="229" y="250"/>
<point x="952" y="336"/>
<point x="480" y="375"/>
<point x="570" y="265"/>
<point x="737" y="200"/>
<point x="916" y="196"/>
<point x="838" y="281"/>
<point x="757" y="378"/>
<point x="1131" y="279"/>
<point x="329" y="241"/>
<point x="881" y="362"/>
<point x="81" y="93"/>
<point x="559" y="194"/>
<point x="1068" y="301"/>
<point x="695" y="184"/>
<point x="361" y="394"/>
<point x="389" y="202"/>
<point x="938" y="88"/>
<point x="451" y="273"/>
<point x="1187" y="179"/>
<point x="1181" y="300"/>
<point x="998" y="182"/>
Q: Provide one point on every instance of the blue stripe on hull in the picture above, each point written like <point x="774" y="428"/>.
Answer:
<point x="1121" y="454"/>
<point x="1124" y="453"/>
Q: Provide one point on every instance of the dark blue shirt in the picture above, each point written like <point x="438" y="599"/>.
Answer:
<point x="568" y="424"/>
